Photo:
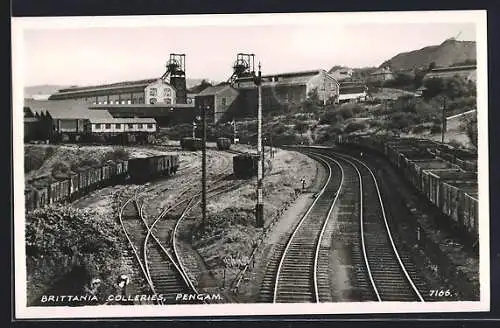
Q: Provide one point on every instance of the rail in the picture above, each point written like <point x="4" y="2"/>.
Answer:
<point x="388" y="230"/>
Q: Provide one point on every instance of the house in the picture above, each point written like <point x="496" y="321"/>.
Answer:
<point x="381" y="74"/>
<point x="217" y="99"/>
<point x="468" y="72"/>
<point x="352" y="92"/>
<point x="342" y="73"/>
<point x="120" y="125"/>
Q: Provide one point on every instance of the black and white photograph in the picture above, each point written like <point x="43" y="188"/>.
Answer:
<point x="250" y="164"/>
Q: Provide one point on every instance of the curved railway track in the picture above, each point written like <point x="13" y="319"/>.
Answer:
<point x="300" y="266"/>
<point x="389" y="277"/>
<point x="155" y="245"/>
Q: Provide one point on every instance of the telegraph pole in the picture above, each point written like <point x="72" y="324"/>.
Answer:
<point x="204" y="167"/>
<point x="259" y="209"/>
<point x="443" y="118"/>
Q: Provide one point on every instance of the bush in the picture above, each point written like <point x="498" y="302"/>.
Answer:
<point x="354" y="126"/>
<point x="118" y="154"/>
<point x="346" y="113"/>
<point x="329" y="117"/>
<point x="418" y="129"/>
<point x="436" y="129"/>
<point x="301" y="127"/>
<point x="59" y="239"/>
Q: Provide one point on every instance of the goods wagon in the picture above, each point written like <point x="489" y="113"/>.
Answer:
<point x="143" y="169"/>
<point x="69" y="186"/>
<point x="191" y="144"/>
<point x="245" y="166"/>
<point x="223" y="143"/>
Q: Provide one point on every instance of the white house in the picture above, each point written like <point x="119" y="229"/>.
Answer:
<point x="116" y="125"/>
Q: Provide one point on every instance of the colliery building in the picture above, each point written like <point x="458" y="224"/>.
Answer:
<point x="279" y="93"/>
<point x="467" y="72"/>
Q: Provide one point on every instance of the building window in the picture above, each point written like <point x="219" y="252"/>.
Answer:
<point x="152" y="92"/>
<point x="129" y="101"/>
<point x="223" y="101"/>
<point x="118" y="126"/>
<point x="141" y="100"/>
<point x="150" y="126"/>
<point x="139" y="126"/>
<point x="98" y="126"/>
<point x="107" y="126"/>
<point x="130" y="126"/>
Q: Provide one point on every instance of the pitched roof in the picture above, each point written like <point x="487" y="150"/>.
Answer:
<point x="134" y="120"/>
<point x="64" y="109"/>
<point x="110" y="85"/>
<point x="213" y="90"/>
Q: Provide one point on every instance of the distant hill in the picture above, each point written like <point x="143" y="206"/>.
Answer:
<point x="446" y="54"/>
<point x="46" y="89"/>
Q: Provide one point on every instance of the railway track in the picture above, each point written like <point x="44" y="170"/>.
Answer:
<point x="154" y="241"/>
<point x="389" y="278"/>
<point x="302" y="263"/>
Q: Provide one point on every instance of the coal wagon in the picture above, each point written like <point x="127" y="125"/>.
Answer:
<point x="223" y="143"/>
<point x="245" y="165"/>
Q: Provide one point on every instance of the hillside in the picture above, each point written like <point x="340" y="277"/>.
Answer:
<point x="447" y="53"/>
<point x="45" y="89"/>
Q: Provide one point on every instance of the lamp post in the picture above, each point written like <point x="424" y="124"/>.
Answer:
<point x="259" y="208"/>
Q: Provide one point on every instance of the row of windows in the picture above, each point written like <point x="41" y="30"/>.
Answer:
<point x="119" y="126"/>
<point x="153" y="92"/>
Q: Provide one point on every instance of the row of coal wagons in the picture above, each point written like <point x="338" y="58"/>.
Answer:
<point x="47" y="190"/>
<point x="445" y="184"/>
<point x="245" y="165"/>
<point x="465" y="159"/>
<point x="148" y="168"/>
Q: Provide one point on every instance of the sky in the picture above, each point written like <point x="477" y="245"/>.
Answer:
<point x="105" y="54"/>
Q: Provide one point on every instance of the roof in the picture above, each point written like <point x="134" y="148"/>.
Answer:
<point x="139" y="85"/>
<point x="454" y="68"/>
<point x="64" y="109"/>
<point x="110" y="85"/>
<point x="143" y="120"/>
<point x="213" y="90"/>
<point x="290" y="78"/>
<point x="140" y="106"/>
<point x="381" y="71"/>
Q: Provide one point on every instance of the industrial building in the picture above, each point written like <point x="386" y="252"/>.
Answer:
<point x="70" y="120"/>
<point x="279" y="93"/>
<point x="381" y="75"/>
<point x="468" y="72"/>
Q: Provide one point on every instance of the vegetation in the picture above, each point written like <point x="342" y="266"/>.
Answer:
<point x="60" y="239"/>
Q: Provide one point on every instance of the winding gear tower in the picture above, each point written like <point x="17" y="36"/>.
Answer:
<point x="176" y="72"/>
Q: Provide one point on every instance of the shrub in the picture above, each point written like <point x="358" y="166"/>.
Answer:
<point x="418" y="129"/>
<point x="354" y="126"/>
<point x="436" y="128"/>
<point x="329" y="117"/>
<point x="346" y="113"/>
